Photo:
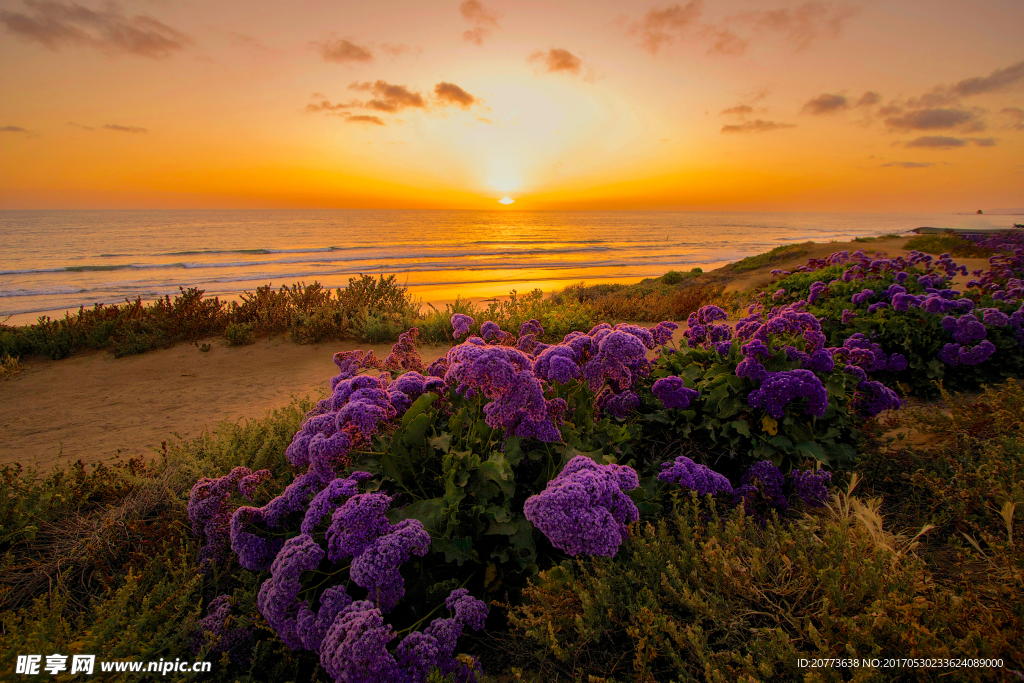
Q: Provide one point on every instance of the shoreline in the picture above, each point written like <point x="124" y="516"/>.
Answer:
<point x="95" y="407"/>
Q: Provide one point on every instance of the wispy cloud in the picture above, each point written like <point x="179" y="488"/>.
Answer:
<point x="124" y="129"/>
<point x="868" y="99"/>
<point x="1014" y="116"/>
<point x="738" y="110"/>
<point x="935" y="119"/>
<point x="826" y="104"/>
<point x="13" y="129"/>
<point x="389" y="97"/>
<point x="363" y="118"/>
<point x="660" y="26"/>
<point x="945" y="142"/>
<point x="555" y="60"/>
<point x="756" y="126"/>
<point x="907" y="164"/>
<point x="342" y="51"/>
<point x="58" y="25"/>
<point x="395" y="50"/>
<point x="244" y="40"/>
<point x="804" y="24"/>
<point x="482" y="20"/>
<point x="449" y="93"/>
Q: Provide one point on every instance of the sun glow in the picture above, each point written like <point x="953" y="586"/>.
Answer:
<point x="506" y="201"/>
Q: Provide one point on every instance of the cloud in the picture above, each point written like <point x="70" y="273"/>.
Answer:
<point x="397" y="50"/>
<point x="868" y="99"/>
<point x="325" y="106"/>
<point x="243" y="40"/>
<point x="1015" y="116"/>
<point x="12" y="129"/>
<point x="756" y="126"/>
<point x="738" y="110"/>
<point x="723" y="41"/>
<point x="655" y="28"/>
<point x="57" y="25"/>
<point x="934" y="119"/>
<point x="557" y="59"/>
<point x="826" y="104"/>
<point x="363" y="118"/>
<point x="388" y="97"/>
<point x="804" y="24"/>
<point x="342" y="51"/>
<point x="984" y="142"/>
<point x="449" y="93"/>
<point x="125" y="129"/>
<point x="483" y="20"/>
<point x="997" y="80"/>
<point x="907" y="164"/>
<point x="937" y="141"/>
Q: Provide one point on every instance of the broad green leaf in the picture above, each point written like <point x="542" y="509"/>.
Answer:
<point x="418" y="407"/>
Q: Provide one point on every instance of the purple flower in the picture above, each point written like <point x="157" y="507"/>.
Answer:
<point x="872" y="398"/>
<point x="761" y="486"/>
<point x="968" y="329"/>
<point x="642" y="333"/>
<point x="996" y="318"/>
<point x="531" y="326"/>
<point x="618" y="405"/>
<point x="877" y="307"/>
<point x="862" y="296"/>
<point x="621" y="357"/>
<point x="817" y="289"/>
<point x="247" y="486"/>
<point x="585" y="508"/>
<point x="355" y="647"/>
<point x="404" y="355"/>
<point x="278" y="597"/>
<point x="663" y="332"/>
<point x="673" y="393"/>
<point x="780" y="388"/>
<point x="467" y="609"/>
<point x="357" y="524"/>
<point x="460" y="325"/>
<point x="217" y="632"/>
<point x="811" y="486"/>
<point x="779" y="293"/>
<point x="690" y="475"/>
<point x="377" y="568"/>
<point x="557" y="364"/>
<point x="328" y="500"/>
<point x="897" y="362"/>
<point x="312" y="626"/>
<point x="848" y="316"/>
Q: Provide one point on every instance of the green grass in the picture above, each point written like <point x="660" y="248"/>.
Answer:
<point x="769" y="258"/>
<point x="947" y="243"/>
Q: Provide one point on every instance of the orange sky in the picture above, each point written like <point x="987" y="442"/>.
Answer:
<point x="913" y="105"/>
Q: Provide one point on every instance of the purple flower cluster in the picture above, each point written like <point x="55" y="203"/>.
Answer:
<point x="760" y="489"/>
<point x="208" y="511"/>
<point x="673" y="393"/>
<point x="699" y="478"/>
<point x="780" y="388"/>
<point x="812" y="486"/>
<point x="702" y="329"/>
<point x="354" y="650"/>
<point x="219" y="631"/>
<point x="585" y="508"/>
<point x="404" y="355"/>
<point x="460" y="325"/>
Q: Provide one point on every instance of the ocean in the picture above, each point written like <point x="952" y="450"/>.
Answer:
<point x="53" y="261"/>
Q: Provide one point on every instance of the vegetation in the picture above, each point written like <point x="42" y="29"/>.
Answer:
<point x="770" y="258"/>
<point x="630" y="509"/>
<point x="948" y="243"/>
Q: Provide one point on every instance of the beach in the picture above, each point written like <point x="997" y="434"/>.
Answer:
<point x="95" y="407"/>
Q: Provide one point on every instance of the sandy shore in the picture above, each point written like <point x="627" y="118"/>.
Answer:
<point x="93" y="407"/>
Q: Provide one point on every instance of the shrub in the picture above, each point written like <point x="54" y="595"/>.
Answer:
<point x="948" y="243"/>
<point x="239" y="334"/>
<point x="10" y="366"/>
<point x="703" y="595"/>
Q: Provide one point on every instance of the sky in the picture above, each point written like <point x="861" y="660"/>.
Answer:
<point x="795" y="105"/>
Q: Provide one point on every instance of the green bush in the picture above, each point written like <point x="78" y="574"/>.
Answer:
<point x="239" y="334"/>
<point x="704" y="595"/>
<point x="947" y="243"/>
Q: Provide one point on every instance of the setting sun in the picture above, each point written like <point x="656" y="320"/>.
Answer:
<point x="506" y="200"/>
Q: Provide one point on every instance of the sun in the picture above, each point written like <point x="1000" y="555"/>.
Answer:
<point x="506" y="201"/>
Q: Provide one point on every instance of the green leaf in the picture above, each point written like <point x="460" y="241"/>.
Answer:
<point x="429" y="512"/>
<point x="418" y="407"/>
<point x="442" y="442"/>
<point x="742" y="426"/>
<point x="458" y="549"/>
<point x="415" y="432"/>
<point x="812" y="450"/>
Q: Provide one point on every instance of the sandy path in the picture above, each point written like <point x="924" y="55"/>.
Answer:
<point x="92" y="406"/>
